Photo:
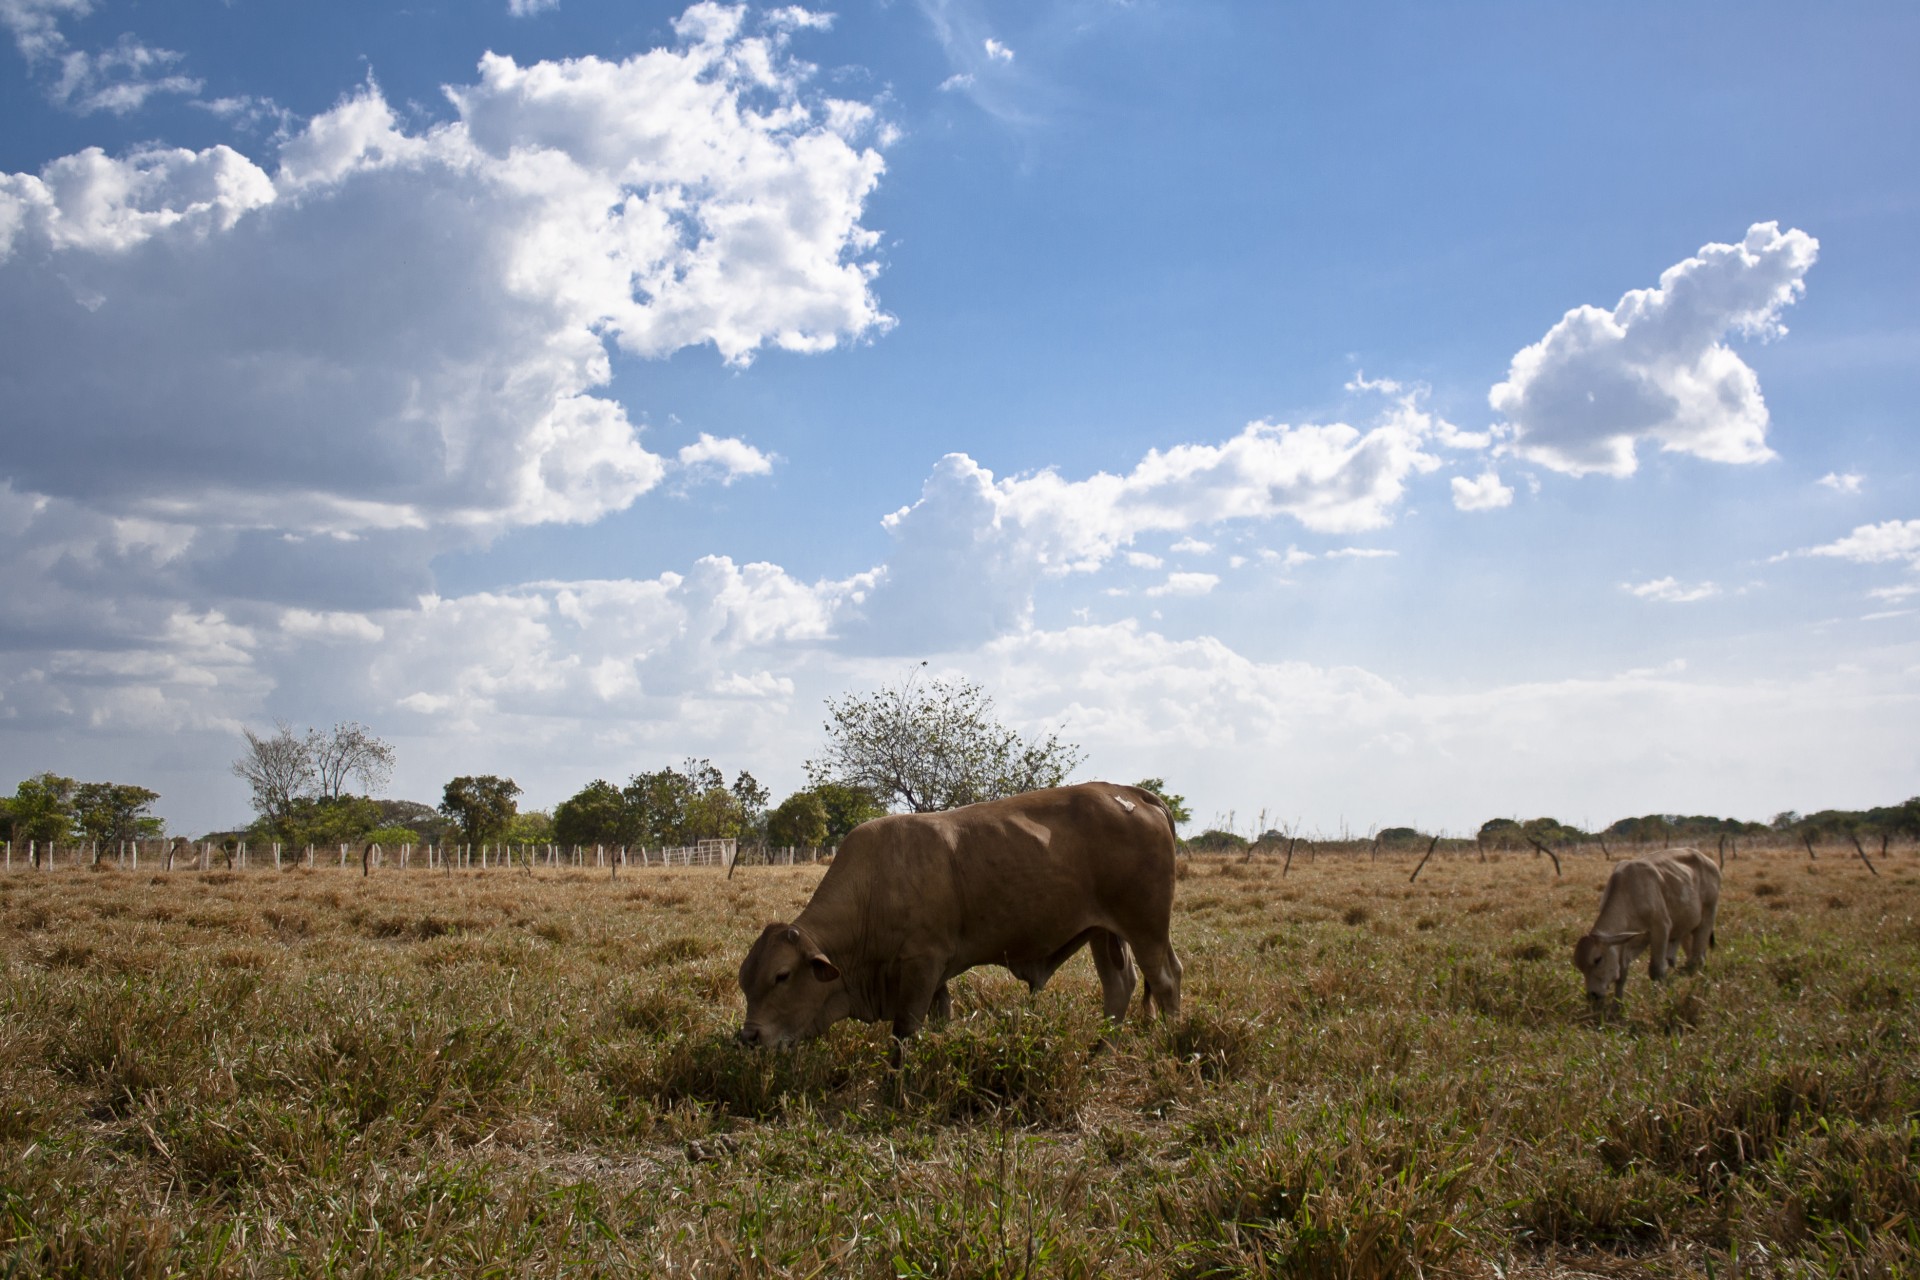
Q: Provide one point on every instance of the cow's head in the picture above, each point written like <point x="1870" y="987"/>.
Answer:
<point x="1600" y="960"/>
<point x="793" y="991"/>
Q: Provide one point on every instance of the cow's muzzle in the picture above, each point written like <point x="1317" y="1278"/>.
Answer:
<point x="748" y="1035"/>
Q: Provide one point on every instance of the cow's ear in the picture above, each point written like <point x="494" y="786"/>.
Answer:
<point x="824" y="969"/>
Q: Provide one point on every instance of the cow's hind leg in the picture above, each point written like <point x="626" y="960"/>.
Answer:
<point x="1114" y="963"/>
<point x="1161" y="968"/>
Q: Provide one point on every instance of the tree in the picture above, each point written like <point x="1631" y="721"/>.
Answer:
<point x="279" y="769"/>
<point x="937" y="745"/>
<point x="535" y="826"/>
<point x="109" y="811"/>
<point x="1176" y="805"/>
<point x="481" y="806"/>
<point x="287" y="769"/>
<point x="350" y="751"/>
<point x="847" y="807"/>
<point x="42" y="808"/>
<point x="800" y="820"/>
<point x="593" y="815"/>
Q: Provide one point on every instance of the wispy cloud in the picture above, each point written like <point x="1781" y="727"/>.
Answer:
<point x="1841" y="482"/>
<point x="1670" y="591"/>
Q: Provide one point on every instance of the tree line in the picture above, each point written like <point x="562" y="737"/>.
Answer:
<point x="916" y="746"/>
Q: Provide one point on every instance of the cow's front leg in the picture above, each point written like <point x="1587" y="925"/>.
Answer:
<point x="1659" y="945"/>
<point x="921" y="982"/>
<point x="942" y="1009"/>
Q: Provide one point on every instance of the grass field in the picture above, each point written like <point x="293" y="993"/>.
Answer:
<point x="311" y="1073"/>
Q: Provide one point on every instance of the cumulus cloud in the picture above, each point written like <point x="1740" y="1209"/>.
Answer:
<point x="1656" y="368"/>
<point x="996" y="51"/>
<point x="1876" y="544"/>
<point x="394" y="328"/>
<point x="1670" y="591"/>
<point x="1841" y="483"/>
<point x="1361" y="553"/>
<point x="1186" y="584"/>
<point x="968" y="555"/>
<point x="1484" y="492"/>
<point x="527" y="8"/>
<point x="250" y="399"/>
<point x="726" y="460"/>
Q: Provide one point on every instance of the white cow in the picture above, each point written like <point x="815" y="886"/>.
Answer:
<point x="1652" y="903"/>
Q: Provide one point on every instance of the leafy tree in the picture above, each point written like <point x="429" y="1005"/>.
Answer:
<point x="847" y="807"/>
<point x="750" y="802"/>
<point x="392" y="837"/>
<point x="1400" y="835"/>
<point x="426" y="822"/>
<point x="596" y="814"/>
<point x="1502" y="833"/>
<point x="321" y="820"/>
<point x="111" y="811"/>
<point x="482" y="806"/>
<point x="535" y="826"/>
<point x="936" y="745"/>
<point x="1176" y="805"/>
<point x="801" y="820"/>
<point x="42" y="808"/>
<point x="1217" y="841"/>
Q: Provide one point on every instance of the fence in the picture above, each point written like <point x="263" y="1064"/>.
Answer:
<point x="173" y="855"/>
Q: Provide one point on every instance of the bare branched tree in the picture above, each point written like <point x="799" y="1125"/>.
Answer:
<point x="350" y="751"/>
<point x="278" y="768"/>
<point x="289" y="771"/>
<point x="934" y="745"/>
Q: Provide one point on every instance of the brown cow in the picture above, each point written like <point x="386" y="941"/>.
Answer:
<point x="1651" y="903"/>
<point x="913" y="900"/>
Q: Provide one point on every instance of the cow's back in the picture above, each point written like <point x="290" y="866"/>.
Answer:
<point x="1009" y="879"/>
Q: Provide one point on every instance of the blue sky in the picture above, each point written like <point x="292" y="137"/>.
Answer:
<point x="1365" y="414"/>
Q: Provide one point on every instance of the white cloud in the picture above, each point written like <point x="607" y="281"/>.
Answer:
<point x="1186" y="584"/>
<point x="1904" y="591"/>
<point x="395" y="329"/>
<point x="1361" y="553"/>
<point x="725" y="459"/>
<point x="957" y="81"/>
<point x="1485" y="492"/>
<point x="1841" y="483"/>
<point x="527" y="8"/>
<point x="1142" y="560"/>
<point x="968" y="555"/>
<point x="1669" y="591"/>
<point x="996" y="51"/>
<point x="1876" y="544"/>
<point x="1656" y="368"/>
<point x="1192" y="547"/>
<point x="1287" y="559"/>
<point x="117" y="79"/>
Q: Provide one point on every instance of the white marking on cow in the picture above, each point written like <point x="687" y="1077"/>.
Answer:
<point x="1125" y="803"/>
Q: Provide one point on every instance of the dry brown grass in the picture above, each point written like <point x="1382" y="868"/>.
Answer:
<point x="309" y="1072"/>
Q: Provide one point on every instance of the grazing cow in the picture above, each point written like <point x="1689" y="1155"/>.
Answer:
<point x="1652" y="903"/>
<point x="913" y="900"/>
